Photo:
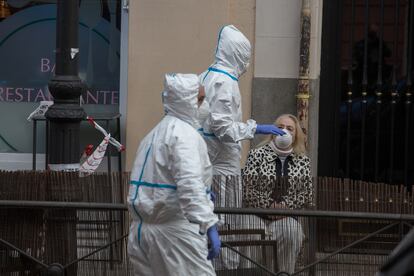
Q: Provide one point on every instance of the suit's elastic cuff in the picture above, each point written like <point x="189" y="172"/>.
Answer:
<point x="251" y="125"/>
<point x="205" y="226"/>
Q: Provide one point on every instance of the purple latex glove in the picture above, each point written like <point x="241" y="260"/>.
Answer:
<point x="269" y="129"/>
<point x="213" y="197"/>
<point x="215" y="243"/>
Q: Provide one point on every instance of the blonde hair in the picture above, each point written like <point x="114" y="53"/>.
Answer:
<point x="298" y="144"/>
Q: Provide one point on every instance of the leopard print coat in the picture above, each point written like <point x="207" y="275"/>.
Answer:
<point x="260" y="180"/>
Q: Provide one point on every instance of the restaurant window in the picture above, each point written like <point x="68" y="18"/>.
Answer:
<point x="27" y="56"/>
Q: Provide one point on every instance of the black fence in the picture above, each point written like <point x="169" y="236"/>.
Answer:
<point x="58" y="222"/>
<point x="48" y="217"/>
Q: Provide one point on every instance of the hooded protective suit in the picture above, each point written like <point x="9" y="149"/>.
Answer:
<point x="169" y="198"/>
<point x="222" y="127"/>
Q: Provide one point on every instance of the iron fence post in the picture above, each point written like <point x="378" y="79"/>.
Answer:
<point x="64" y="118"/>
<point x="66" y="87"/>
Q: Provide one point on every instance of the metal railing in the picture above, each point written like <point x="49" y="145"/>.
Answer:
<point x="350" y="229"/>
<point x="391" y="221"/>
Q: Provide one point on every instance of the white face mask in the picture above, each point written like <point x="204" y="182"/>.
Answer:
<point x="203" y="111"/>
<point x="284" y="142"/>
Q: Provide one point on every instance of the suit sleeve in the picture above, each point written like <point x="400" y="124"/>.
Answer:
<point x="222" y="112"/>
<point x="189" y="156"/>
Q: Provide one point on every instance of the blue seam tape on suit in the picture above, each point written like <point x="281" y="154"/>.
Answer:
<point x="136" y="191"/>
<point x="223" y="72"/>
<point x="205" y="133"/>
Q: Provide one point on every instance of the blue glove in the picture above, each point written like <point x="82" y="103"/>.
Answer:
<point x="269" y="129"/>
<point x="215" y="242"/>
<point x="213" y="197"/>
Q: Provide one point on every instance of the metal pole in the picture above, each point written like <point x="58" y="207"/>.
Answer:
<point x="218" y="210"/>
<point x="66" y="87"/>
<point x="34" y="144"/>
<point x="394" y="92"/>
<point x="378" y="93"/>
<point x="64" y="118"/>
<point x="350" y="91"/>
<point x="302" y="103"/>
<point x="23" y="253"/>
<point x="364" y="91"/>
<point x="408" y="94"/>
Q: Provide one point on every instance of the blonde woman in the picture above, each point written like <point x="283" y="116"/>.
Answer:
<point x="280" y="156"/>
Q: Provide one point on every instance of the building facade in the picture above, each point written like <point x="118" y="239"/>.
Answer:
<point x="313" y="58"/>
<point x="181" y="37"/>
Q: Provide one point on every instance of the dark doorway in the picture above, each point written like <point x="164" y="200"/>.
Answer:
<point x="366" y="118"/>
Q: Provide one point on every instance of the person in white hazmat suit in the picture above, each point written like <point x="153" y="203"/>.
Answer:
<point x="169" y="198"/>
<point x="221" y="122"/>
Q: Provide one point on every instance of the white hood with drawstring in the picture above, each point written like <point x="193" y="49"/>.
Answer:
<point x="223" y="128"/>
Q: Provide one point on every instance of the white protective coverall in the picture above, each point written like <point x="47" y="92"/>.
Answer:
<point x="169" y="198"/>
<point x="222" y="127"/>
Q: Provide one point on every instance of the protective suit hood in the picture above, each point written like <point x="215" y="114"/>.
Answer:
<point x="223" y="128"/>
<point x="233" y="51"/>
<point x="180" y="96"/>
